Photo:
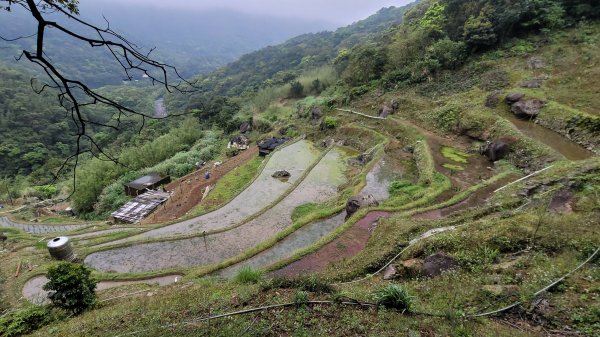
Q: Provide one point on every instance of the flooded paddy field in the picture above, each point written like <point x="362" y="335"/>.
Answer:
<point x="320" y="185"/>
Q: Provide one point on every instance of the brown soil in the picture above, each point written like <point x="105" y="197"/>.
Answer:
<point x="349" y="244"/>
<point x="187" y="191"/>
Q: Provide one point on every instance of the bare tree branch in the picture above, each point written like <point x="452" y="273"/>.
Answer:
<point x="73" y="94"/>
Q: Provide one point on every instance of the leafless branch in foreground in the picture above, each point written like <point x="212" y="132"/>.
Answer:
<point x="73" y="94"/>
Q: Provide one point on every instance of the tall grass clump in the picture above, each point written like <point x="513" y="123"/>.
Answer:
<point x="394" y="296"/>
<point x="248" y="275"/>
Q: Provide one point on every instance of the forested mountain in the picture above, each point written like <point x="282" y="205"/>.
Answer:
<point x="38" y="134"/>
<point x="193" y="41"/>
<point x="280" y="64"/>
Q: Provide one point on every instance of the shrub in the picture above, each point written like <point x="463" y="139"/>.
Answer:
<point x="46" y="191"/>
<point x="296" y="90"/>
<point x="71" y="287"/>
<point x="330" y="122"/>
<point x="478" y="259"/>
<point x="394" y="296"/>
<point x="301" y="298"/>
<point x="25" y="321"/>
<point x="449" y="54"/>
<point x="262" y="125"/>
<point x="232" y="152"/>
<point x="248" y="275"/>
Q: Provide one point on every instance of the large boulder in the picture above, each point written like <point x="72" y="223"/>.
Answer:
<point x="357" y="202"/>
<point x="527" y="108"/>
<point x="438" y="263"/>
<point x="3" y="237"/>
<point x="496" y="150"/>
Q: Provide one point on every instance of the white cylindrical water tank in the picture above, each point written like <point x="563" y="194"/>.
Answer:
<point x="60" y="249"/>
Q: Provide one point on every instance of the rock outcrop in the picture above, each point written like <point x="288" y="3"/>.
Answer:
<point x="281" y="174"/>
<point x="496" y="150"/>
<point x="527" y="108"/>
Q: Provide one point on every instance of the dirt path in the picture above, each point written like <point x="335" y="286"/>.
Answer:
<point x="187" y="191"/>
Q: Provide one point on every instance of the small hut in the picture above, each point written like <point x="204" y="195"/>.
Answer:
<point x="150" y="181"/>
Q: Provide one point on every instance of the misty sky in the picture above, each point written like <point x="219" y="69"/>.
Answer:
<point x="337" y="11"/>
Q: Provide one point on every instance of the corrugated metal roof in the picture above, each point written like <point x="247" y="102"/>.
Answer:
<point x="142" y="205"/>
<point x="146" y="181"/>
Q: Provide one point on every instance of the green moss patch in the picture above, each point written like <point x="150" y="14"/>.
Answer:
<point x="455" y="154"/>
<point x="453" y="167"/>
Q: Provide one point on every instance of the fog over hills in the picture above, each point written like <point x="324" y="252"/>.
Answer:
<point x="195" y="41"/>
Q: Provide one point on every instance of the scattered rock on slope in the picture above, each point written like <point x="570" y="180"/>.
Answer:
<point x="245" y="127"/>
<point x="281" y="174"/>
<point x="514" y="98"/>
<point x="390" y="273"/>
<point x="536" y="62"/>
<point x="527" y="108"/>
<point x="496" y="150"/>
<point x="438" y="263"/>
<point x="316" y="113"/>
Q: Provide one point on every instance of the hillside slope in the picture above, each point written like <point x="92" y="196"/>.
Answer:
<point x="464" y="239"/>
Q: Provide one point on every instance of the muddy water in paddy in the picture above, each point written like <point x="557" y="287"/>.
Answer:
<point x="554" y="140"/>
<point x="377" y="183"/>
<point x="349" y="244"/>
<point x="33" y="292"/>
<point x="295" y="158"/>
<point x="320" y="185"/>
